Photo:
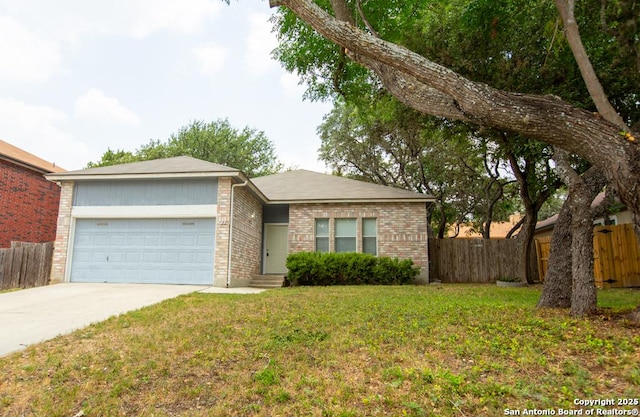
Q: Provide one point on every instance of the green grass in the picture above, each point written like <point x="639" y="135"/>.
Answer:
<point x="451" y="350"/>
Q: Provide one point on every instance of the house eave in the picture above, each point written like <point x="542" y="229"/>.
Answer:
<point x="88" y="177"/>
<point x="354" y="201"/>
<point x="23" y="164"/>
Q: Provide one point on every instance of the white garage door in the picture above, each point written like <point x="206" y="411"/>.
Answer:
<point x="159" y="251"/>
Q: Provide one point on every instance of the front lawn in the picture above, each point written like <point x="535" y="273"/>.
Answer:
<point x="451" y="350"/>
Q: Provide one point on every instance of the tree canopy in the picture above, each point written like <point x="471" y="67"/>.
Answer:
<point x="248" y="150"/>
<point x="568" y="77"/>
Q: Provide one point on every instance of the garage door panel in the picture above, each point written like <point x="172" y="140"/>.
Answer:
<point x="168" y="240"/>
<point x="134" y="240"/>
<point x="179" y="251"/>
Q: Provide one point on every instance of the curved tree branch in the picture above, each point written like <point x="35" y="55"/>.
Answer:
<point x="439" y="91"/>
<point x="566" y="10"/>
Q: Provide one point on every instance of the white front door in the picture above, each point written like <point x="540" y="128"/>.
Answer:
<point x="276" y="248"/>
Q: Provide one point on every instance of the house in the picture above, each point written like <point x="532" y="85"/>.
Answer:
<point x="186" y="221"/>
<point x="499" y="230"/>
<point x="621" y="216"/>
<point x="29" y="202"/>
<point x="616" y="250"/>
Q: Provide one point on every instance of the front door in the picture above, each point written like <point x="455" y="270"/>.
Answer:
<point x="275" y="248"/>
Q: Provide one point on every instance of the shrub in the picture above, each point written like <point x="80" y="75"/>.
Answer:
<point x="311" y="268"/>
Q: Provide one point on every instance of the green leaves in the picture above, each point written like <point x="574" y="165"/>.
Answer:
<point x="247" y="149"/>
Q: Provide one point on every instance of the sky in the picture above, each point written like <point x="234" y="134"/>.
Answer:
<point x="78" y="77"/>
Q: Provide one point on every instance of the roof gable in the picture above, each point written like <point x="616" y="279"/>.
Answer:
<point x="308" y="186"/>
<point x="25" y="158"/>
<point x="176" y="166"/>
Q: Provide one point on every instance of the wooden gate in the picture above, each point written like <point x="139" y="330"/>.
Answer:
<point x="616" y="256"/>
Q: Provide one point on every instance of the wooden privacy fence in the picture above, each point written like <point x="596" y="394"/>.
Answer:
<point x="616" y="256"/>
<point x="25" y="265"/>
<point x="474" y="260"/>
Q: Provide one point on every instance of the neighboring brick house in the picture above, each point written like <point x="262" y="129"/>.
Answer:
<point x="29" y="202"/>
<point x="186" y="221"/>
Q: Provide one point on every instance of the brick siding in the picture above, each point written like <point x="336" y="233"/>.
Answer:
<point x="401" y="227"/>
<point x="29" y="205"/>
<point x="221" y="258"/>
<point x="246" y="253"/>
<point x="61" y="245"/>
<point x="247" y="235"/>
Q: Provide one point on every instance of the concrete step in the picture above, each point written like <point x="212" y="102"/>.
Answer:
<point x="267" y="281"/>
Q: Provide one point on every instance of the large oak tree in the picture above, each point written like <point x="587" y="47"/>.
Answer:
<point x="600" y="138"/>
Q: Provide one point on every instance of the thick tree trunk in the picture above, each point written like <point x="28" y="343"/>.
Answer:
<point x="583" y="296"/>
<point x="558" y="284"/>
<point x="556" y="291"/>
<point x="525" y="239"/>
<point x="436" y="90"/>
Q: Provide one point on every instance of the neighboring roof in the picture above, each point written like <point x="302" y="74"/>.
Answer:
<point x="548" y="223"/>
<point x="180" y="166"/>
<point x="308" y="186"/>
<point x="24" y="158"/>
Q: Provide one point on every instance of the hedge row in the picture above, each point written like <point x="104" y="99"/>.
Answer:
<point x="311" y="268"/>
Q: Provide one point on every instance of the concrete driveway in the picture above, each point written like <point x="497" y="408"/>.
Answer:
<point x="37" y="314"/>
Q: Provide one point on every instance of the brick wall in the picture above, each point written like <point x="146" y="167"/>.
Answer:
<point x="246" y="253"/>
<point x="402" y="228"/>
<point x="61" y="245"/>
<point x="246" y="239"/>
<point x="29" y="205"/>
<point x="221" y="259"/>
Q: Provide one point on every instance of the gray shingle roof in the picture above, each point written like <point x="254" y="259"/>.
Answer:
<point x="177" y="165"/>
<point x="308" y="186"/>
<point x="288" y="187"/>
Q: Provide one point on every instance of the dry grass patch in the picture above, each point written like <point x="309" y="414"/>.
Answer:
<point x="336" y="351"/>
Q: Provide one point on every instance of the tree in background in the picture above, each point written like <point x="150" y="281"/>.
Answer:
<point x="436" y="89"/>
<point x="393" y="39"/>
<point x="248" y="150"/>
<point x="390" y="144"/>
<point x="455" y="32"/>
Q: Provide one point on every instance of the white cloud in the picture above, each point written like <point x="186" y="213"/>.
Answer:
<point x="70" y="20"/>
<point x="260" y="42"/>
<point x="26" y="56"/>
<point x="41" y="131"/>
<point x="210" y="58"/>
<point x="95" y="105"/>
<point x="177" y="16"/>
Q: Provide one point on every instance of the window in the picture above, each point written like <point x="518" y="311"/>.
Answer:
<point x="345" y="235"/>
<point x="322" y="235"/>
<point x="369" y="236"/>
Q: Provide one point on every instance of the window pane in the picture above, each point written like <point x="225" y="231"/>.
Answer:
<point x="322" y="244"/>
<point x="346" y="227"/>
<point x="345" y="244"/>
<point x="345" y="235"/>
<point x="369" y="228"/>
<point x="322" y="227"/>
<point x="322" y="235"/>
<point x="369" y="245"/>
<point x="369" y="236"/>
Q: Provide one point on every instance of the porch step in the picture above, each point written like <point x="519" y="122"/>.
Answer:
<point x="267" y="281"/>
